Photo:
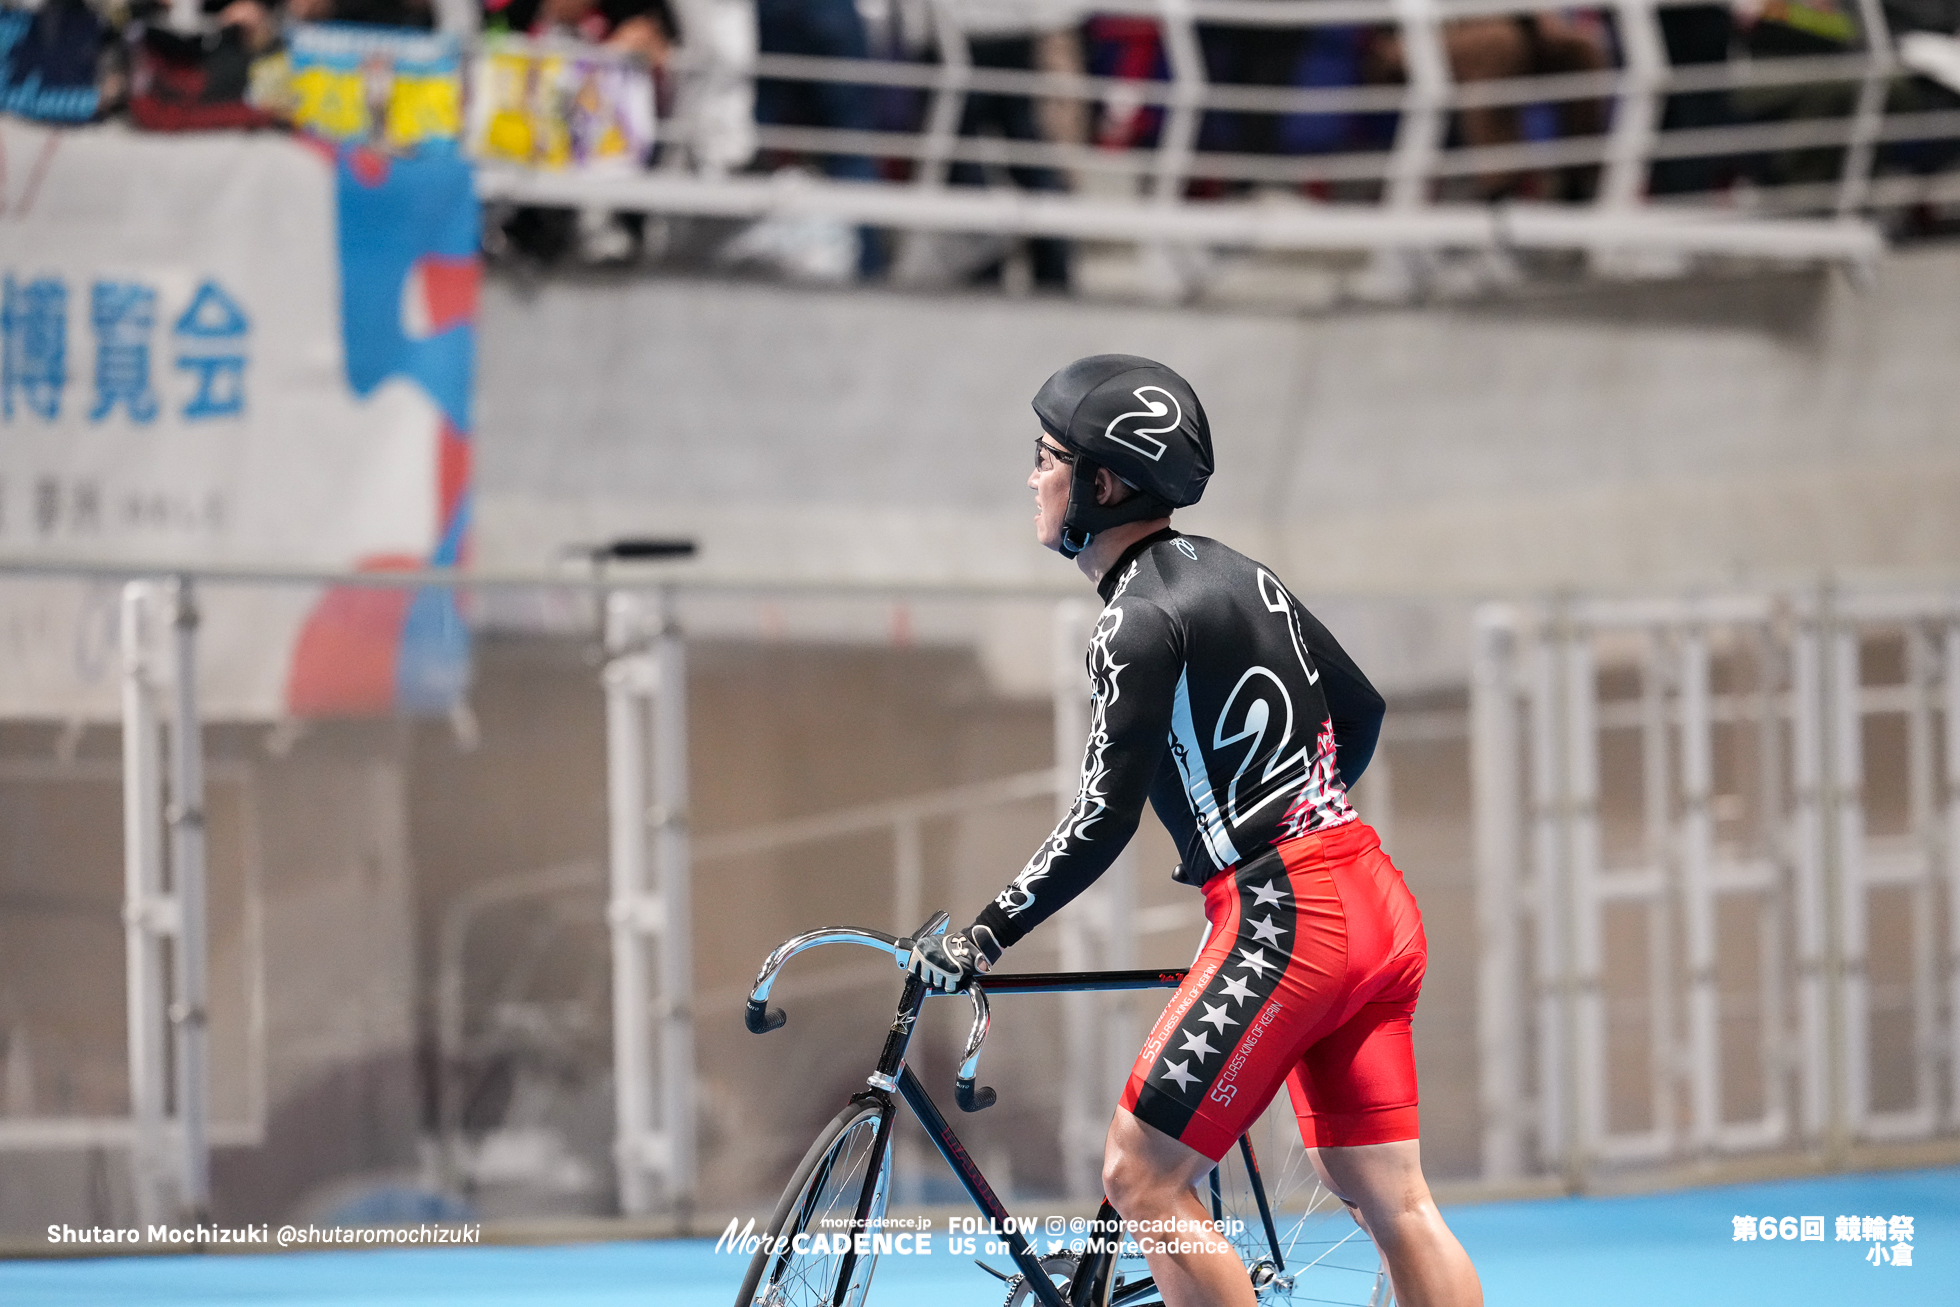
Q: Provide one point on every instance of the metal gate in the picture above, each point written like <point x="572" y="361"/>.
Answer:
<point x="1715" y="841"/>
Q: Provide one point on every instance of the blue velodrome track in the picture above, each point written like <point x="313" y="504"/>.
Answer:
<point x="1675" y="1248"/>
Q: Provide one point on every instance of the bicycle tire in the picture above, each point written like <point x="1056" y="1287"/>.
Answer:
<point x="1302" y="1248"/>
<point x="823" y="1197"/>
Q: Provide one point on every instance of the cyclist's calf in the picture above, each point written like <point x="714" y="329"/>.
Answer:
<point x="1384" y="1186"/>
<point x="1146" y="1171"/>
<point x="1148" y="1177"/>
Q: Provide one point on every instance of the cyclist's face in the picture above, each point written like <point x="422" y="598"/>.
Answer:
<point x="1049" y="481"/>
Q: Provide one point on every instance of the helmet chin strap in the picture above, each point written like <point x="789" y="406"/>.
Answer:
<point x="1085" y="517"/>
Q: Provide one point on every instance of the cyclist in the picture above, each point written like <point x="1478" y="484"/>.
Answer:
<point x="1221" y="700"/>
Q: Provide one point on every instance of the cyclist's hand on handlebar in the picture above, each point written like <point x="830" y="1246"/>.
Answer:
<point x="948" y="962"/>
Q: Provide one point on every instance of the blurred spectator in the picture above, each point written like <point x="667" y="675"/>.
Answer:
<point x="1928" y="37"/>
<point x="201" y="81"/>
<point x="645" y="28"/>
<point x="374" y="13"/>
<point x="1938" y="16"/>
<point x="1786" y="29"/>
<point x="829" y="29"/>
<point x="1332" y="57"/>
<point x="1491" y="49"/>
<point x="1247" y="56"/>
<point x="1022" y="37"/>
<point x="898" y="31"/>
<point x="50" y="61"/>
<point x="256" y="23"/>
<point x="1695" y="35"/>
<point x="1129" y="48"/>
<point x="1308" y="58"/>
<point x="642" y="27"/>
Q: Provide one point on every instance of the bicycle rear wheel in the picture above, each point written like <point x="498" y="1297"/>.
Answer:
<point x="1315" y="1252"/>
<point x="843" y="1179"/>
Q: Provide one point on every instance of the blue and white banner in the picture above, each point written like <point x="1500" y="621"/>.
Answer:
<point x="240" y="350"/>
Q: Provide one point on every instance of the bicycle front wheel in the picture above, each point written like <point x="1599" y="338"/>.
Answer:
<point x="842" y="1181"/>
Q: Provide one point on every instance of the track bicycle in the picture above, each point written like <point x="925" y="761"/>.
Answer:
<point x="1297" y="1241"/>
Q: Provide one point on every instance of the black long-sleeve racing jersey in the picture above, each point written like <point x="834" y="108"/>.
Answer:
<point x="1217" y="695"/>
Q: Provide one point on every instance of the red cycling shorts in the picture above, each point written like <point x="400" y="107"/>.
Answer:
<point x="1309" y="974"/>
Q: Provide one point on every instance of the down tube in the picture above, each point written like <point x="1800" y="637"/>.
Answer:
<point x="976" y="1185"/>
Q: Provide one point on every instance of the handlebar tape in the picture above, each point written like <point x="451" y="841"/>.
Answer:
<point x="970" y="1100"/>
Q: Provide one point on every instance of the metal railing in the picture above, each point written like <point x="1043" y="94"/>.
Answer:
<point x="1707" y="910"/>
<point x="1740" y="796"/>
<point x="1415" y="192"/>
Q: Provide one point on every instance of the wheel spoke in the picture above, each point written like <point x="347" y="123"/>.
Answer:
<point x="1316" y="1252"/>
<point x="843" y="1185"/>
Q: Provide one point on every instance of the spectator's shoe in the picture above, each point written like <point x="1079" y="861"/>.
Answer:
<point x="1933" y="56"/>
<point x="603" y="239"/>
<point x="798" y="248"/>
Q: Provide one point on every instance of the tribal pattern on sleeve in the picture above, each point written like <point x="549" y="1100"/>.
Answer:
<point x="1092" y="793"/>
<point x="1212" y="681"/>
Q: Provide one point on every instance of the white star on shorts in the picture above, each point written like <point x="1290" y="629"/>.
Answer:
<point x="1255" y="961"/>
<point x="1236" y="988"/>
<point x="1215" y="1015"/>
<point x="1266" y="932"/>
<point x="1197" y="1043"/>
<point x="1263" y="894"/>
<point x="1180" y="1072"/>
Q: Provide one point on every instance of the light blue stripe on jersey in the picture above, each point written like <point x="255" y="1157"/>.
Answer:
<point x="1197" y="785"/>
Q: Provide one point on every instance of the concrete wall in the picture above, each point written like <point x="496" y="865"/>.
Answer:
<point x="1610" y="436"/>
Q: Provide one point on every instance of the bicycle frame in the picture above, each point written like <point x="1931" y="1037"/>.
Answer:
<point x="894" y="1076"/>
<point x="948" y="1143"/>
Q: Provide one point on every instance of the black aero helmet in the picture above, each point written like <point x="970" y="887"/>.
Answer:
<point x="1140" y="420"/>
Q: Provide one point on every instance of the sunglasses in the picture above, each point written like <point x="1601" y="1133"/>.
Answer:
<point x="1042" y="447"/>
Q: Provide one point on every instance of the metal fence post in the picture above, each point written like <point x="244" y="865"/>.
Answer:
<point x="1814" y="1022"/>
<point x="1846" y="756"/>
<point x="1494" y="783"/>
<point x="1419" y="134"/>
<point x="1698" y="893"/>
<point x="1625" y="179"/>
<point x="1585" y="1007"/>
<point x="1656" y="794"/>
<point x="948" y="102"/>
<point x="185" y="816"/>
<point x="1854" y="182"/>
<point x="653" y="1023"/>
<point x="1180" y="129"/>
<point x="146" y="908"/>
<point x="1548" y="832"/>
<point x="1777" y="1046"/>
<point x="628" y="682"/>
<point x="1920" y="1121"/>
<point x="673" y="882"/>
<point x="1952" y="688"/>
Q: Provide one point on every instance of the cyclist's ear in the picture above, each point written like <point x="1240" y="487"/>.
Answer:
<point x="1111" y="489"/>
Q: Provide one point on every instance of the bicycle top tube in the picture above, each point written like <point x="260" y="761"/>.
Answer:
<point x="760" y="1017"/>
